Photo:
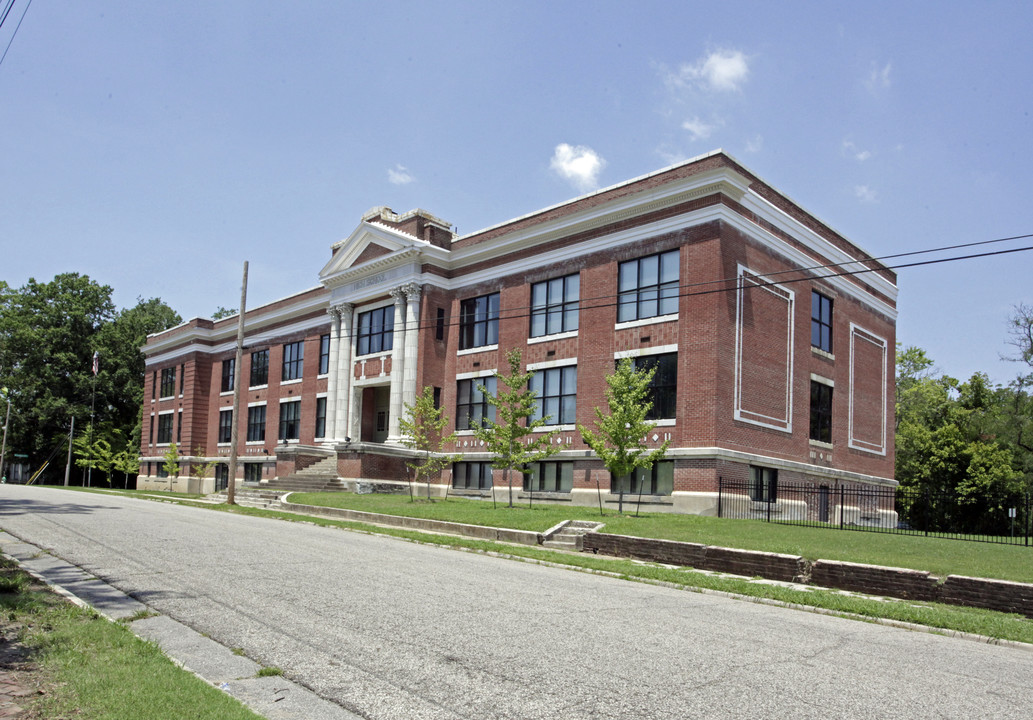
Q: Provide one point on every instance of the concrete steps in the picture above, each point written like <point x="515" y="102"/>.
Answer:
<point x="253" y="497"/>
<point x="568" y="534"/>
<point x="321" y="476"/>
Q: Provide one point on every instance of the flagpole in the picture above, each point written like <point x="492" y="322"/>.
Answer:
<point x="93" y="405"/>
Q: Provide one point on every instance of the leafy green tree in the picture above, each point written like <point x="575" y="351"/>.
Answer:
<point x="223" y="312"/>
<point x="171" y="464"/>
<point x="201" y="468"/>
<point x="49" y="332"/>
<point x="512" y="436"/>
<point x="619" y="440"/>
<point x="127" y="461"/>
<point x="421" y="427"/>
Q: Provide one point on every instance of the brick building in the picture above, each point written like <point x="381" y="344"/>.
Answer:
<point x="773" y="337"/>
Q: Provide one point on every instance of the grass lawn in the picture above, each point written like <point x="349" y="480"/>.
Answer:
<point x="939" y="556"/>
<point x="93" y="669"/>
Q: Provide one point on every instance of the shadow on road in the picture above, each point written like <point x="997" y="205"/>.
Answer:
<point x="26" y="507"/>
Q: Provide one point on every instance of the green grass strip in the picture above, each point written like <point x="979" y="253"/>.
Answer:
<point x="99" y="670"/>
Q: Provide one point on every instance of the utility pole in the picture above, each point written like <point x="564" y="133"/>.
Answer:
<point x="231" y="485"/>
<point x="7" y="421"/>
<point x="68" y="465"/>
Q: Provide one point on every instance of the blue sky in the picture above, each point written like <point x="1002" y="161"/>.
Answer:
<point x="156" y="146"/>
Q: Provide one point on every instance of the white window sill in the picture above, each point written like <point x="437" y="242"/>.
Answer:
<point x="560" y="428"/>
<point x="646" y="321"/>
<point x="822" y="353"/>
<point x="295" y="381"/>
<point x="258" y="387"/>
<point x="554" y="336"/>
<point x="475" y="350"/>
<point x="820" y="444"/>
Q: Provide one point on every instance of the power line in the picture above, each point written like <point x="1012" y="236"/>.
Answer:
<point x="7" y="11"/>
<point x="732" y="284"/>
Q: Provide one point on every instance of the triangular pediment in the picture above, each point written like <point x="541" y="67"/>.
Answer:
<point x="369" y="243"/>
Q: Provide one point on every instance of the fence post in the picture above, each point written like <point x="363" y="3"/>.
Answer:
<point x="720" y="490"/>
<point x="1029" y="522"/>
<point x="927" y="511"/>
<point x="842" y="505"/>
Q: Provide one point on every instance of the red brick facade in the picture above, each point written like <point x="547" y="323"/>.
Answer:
<point x="748" y="379"/>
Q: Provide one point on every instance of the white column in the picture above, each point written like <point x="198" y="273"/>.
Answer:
<point x="412" y="337"/>
<point x="331" y="381"/>
<point x="397" y="365"/>
<point x="344" y="373"/>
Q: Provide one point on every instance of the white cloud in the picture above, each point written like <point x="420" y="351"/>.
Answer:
<point x="721" y="70"/>
<point x="879" y="78"/>
<point x="850" y="149"/>
<point x="699" y="129"/>
<point x="399" y="175"/>
<point x="864" y="193"/>
<point x="755" y="144"/>
<point x="578" y="164"/>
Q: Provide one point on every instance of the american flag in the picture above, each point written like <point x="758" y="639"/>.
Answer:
<point x="96" y="362"/>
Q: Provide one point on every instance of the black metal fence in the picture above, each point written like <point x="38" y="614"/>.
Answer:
<point x="1004" y="519"/>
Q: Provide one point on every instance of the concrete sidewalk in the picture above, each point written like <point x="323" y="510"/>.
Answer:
<point x="273" y="697"/>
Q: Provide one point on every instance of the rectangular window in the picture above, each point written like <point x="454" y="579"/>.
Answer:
<point x="648" y="287"/>
<point x="150" y="432"/>
<point x="439" y="326"/>
<point x="168" y="382"/>
<point x="162" y="472"/>
<point x="154" y="383"/>
<point x="179" y="426"/>
<point x="472" y="407"/>
<point x="556" y="389"/>
<point x="821" y="321"/>
<point x="182" y="377"/>
<point x="821" y="412"/>
<point x="324" y="354"/>
<point x="479" y="321"/>
<point x="253" y="472"/>
<point x="227" y="375"/>
<point x="290" y="420"/>
<point x="165" y="429"/>
<point x="256" y="423"/>
<point x="655" y="480"/>
<point x="320" y="417"/>
<point x="763" y="484"/>
<point x="663" y="388"/>
<point x="375" y="331"/>
<point x="293" y="361"/>
<point x="554" y="305"/>
<point x="471" y="475"/>
<point x="225" y="426"/>
<point x="553" y="476"/>
<point x="259" y="368"/>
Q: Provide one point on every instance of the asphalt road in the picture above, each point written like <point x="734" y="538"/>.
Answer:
<point x="391" y="629"/>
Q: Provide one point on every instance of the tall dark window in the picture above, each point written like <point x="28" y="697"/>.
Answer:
<point x="763" y="484"/>
<point x="290" y="420"/>
<point x="648" y="287"/>
<point x="227" y="374"/>
<point x="225" y="426"/>
<point x="182" y="377"/>
<point x="471" y="475"/>
<point x="259" y="368"/>
<point x="472" y="407"/>
<point x="222" y="476"/>
<point x="375" y="331"/>
<point x="439" y="325"/>
<point x="320" y="417"/>
<point x="821" y="412"/>
<point x="168" y="382"/>
<point x="179" y="426"/>
<point x="154" y="383"/>
<point x="554" y="305"/>
<point x="165" y="429"/>
<point x="253" y="472"/>
<point x="324" y="354"/>
<point x="663" y="388"/>
<point x="557" y="395"/>
<point x="551" y="476"/>
<point x="479" y="321"/>
<point x="821" y="321"/>
<point x="655" y="480"/>
<point x="256" y="423"/>
<point x="293" y="361"/>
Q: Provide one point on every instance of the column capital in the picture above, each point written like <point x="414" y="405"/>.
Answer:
<point x="398" y="294"/>
<point x="412" y="291"/>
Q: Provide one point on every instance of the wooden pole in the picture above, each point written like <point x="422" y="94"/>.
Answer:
<point x="231" y="484"/>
